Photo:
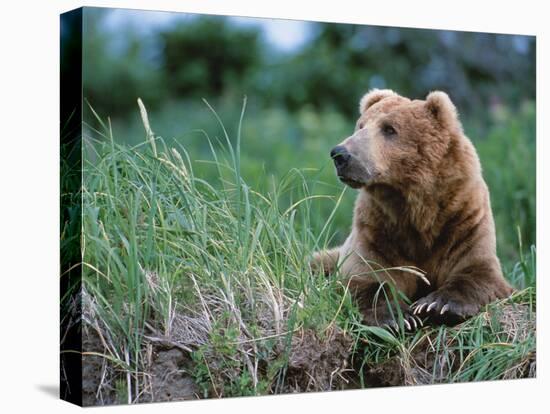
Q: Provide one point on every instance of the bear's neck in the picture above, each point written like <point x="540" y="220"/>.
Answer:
<point x="418" y="211"/>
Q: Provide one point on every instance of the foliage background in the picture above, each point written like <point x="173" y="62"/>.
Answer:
<point x="303" y="94"/>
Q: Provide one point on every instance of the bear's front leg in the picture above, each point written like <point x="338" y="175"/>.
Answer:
<point x="325" y="261"/>
<point x="380" y="305"/>
<point x="464" y="294"/>
<point x="385" y="315"/>
<point x="446" y="306"/>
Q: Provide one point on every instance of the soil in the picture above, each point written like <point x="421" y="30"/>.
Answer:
<point x="318" y="363"/>
<point x="97" y="387"/>
<point x="169" y="376"/>
<point x="171" y="380"/>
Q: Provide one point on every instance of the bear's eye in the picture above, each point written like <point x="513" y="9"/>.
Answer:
<point x="388" y="130"/>
<point x="359" y="125"/>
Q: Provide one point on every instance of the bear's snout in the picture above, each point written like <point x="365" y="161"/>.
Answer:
<point x="340" y="156"/>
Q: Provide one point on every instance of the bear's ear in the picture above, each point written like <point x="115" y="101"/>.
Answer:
<point x="373" y="96"/>
<point x="439" y="105"/>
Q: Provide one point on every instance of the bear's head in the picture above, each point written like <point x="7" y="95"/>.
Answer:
<point x="397" y="141"/>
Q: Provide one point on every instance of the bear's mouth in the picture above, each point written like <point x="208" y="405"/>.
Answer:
<point x="352" y="172"/>
<point x="350" y="182"/>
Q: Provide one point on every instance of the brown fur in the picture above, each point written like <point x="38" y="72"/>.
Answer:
<point x="422" y="202"/>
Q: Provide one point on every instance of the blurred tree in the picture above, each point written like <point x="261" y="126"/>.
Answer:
<point x="213" y="57"/>
<point x="115" y="77"/>
<point x="207" y="56"/>
<point x="343" y="61"/>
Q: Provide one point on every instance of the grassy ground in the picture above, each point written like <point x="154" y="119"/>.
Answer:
<point x="217" y="270"/>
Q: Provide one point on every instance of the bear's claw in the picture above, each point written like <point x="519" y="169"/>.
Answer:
<point x="442" y="306"/>
<point x="411" y="323"/>
<point x="418" y="308"/>
<point x="432" y="305"/>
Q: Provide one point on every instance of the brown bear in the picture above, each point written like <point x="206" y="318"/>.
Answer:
<point x="422" y="204"/>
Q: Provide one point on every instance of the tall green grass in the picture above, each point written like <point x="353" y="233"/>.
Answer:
<point x="220" y="269"/>
<point x="161" y="242"/>
<point x="508" y="158"/>
<point x="277" y="141"/>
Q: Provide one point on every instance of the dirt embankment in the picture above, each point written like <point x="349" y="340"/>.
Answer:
<point x="316" y="362"/>
<point x="167" y="378"/>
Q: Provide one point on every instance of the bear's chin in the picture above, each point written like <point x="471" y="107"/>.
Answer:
<point x="351" y="183"/>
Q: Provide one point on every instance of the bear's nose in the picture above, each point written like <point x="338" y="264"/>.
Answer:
<point x="340" y="156"/>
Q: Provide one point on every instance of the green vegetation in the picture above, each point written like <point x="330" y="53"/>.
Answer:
<point x="199" y="241"/>
<point x="508" y="160"/>
<point x="278" y="142"/>
<point x="304" y="101"/>
<point x="214" y="57"/>
<point x="182" y="251"/>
